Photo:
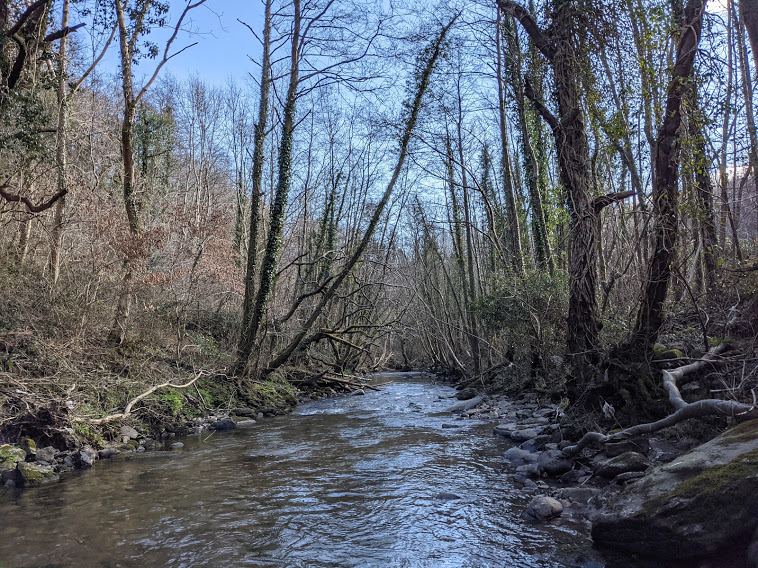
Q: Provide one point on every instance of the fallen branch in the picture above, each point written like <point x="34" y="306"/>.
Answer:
<point x="684" y="410"/>
<point x="128" y="408"/>
<point x="347" y="382"/>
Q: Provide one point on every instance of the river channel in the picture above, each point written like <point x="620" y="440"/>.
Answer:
<point x="372" y="480"/>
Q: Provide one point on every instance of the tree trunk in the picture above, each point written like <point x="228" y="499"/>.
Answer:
<point x="665" y="184"/>
<point x="61" y="152"/>
<point x="514" y="231"/>
<point x="247" y="334"/>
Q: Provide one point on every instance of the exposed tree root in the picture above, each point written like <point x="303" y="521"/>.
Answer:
<point x="684" y="410"/>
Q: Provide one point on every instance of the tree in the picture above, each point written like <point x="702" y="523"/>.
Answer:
<point x="133" y="23"/>
<point x="665" y="182"/>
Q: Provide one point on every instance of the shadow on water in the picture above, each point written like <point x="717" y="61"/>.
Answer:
<point x="370" y="480"/>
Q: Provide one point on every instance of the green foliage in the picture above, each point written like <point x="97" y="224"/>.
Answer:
<point x="89" y="435"/>
<point x="173" y="399"/>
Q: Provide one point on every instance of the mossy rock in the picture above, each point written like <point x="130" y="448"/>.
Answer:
<point x="29" y="474"/>
<point x="702" y="502"/>
<point x="10" y="455"/>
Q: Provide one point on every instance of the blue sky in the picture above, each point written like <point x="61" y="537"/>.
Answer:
<point x="224" y="44"/>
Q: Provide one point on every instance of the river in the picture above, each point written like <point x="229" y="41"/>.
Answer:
<point x="372" y="480"/>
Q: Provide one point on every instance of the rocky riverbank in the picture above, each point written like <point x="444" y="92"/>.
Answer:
<point x="665" y="497"/>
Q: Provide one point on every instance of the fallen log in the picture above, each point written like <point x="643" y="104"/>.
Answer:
<point x="465" y="405"/>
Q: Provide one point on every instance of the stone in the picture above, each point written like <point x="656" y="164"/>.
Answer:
<point x="141" y="449"/>
<point x="528" y="470"/>
<point x="246" y="423"/>
<point x="623" y="478"/>
<point x="30" y="474"/>
<point x="176" y="446"/>
<point x="129" y="432"/>
<point x="223" y="424"/>
<point x="628" y="461"/>
<point x="451" y="425"/>
<point x="85" y="458"/>
<point x="533" y="444"/>
<point x="517" y="456"/>
<point x="466" y="394"/>
<point x="46" y="454"/>
<point x="523" y="435"/>
<point x="553" y="462"/>
<point x="578" y="494"/>
<point x="10" y="456"/>
<point x="639" y="445"/>
<point x="358" y="392"/>
<point x="542" y="509"/>
<point x="107" y="453"/>
<point x="30" y="447"/>
<point x="702" y="502"/>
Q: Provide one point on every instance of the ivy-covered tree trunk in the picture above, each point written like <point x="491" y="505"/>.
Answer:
<point x="514" y="231"/>
<point x="247" y="333"/>
<point x="278" y="207"/>
<point x="665" y="183"/>
<point x="542" y="255"/>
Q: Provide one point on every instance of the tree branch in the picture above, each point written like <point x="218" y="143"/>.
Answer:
<point x="600" y="203"/>
<point x="530" y="26"/>
<point x="540" y="107"/>
<point x="32" y="208"/>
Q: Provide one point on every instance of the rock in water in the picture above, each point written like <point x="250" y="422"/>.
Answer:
<point x="30" y="474"/>
<point x="85" y="457"/>
<point x="542" y="509"/>
<point x="553" y="462"/>
<point x="223" y="424"/>
<point x="703" y="501"/>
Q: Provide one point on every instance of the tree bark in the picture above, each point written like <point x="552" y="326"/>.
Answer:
<point x="665" y="183"/>
<point x="247" y="334"/>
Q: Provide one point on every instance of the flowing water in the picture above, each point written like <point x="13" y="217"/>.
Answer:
<point x="369" y="480"/>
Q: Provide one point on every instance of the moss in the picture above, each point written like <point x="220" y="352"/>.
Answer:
<point x="719" y="490"/>
<point x="745" y="432"/>
<point x="34" y="475"/>
<point x="11" y="454"/>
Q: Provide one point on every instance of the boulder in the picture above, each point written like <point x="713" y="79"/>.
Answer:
<point x="517" y="456"/>
<point x="46" y="454"/>
<point x="30" y="474"/>
<point x="752" y="551"/>
<point x="553" y="462"/>
<point x="85" y="457"/>
<point x="628" y="461"/>
<point x="107" y="453"/>
<point x="528" y="470"/>
<point x="129" y="432"/>
<point x="523" y="435"/>
<point x="9" y="457"/>
<point x="542" y="509"/>
<point x="534" y="443"/>
<point x="703" y="501"/>
<point x="466" y="394"/>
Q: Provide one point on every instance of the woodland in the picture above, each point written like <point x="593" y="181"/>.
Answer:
<point x="553" y="196"/>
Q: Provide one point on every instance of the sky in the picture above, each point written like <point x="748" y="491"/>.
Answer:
<point x="223" y="43"/>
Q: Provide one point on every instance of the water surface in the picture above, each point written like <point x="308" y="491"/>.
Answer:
<point x="355" y="481"/>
